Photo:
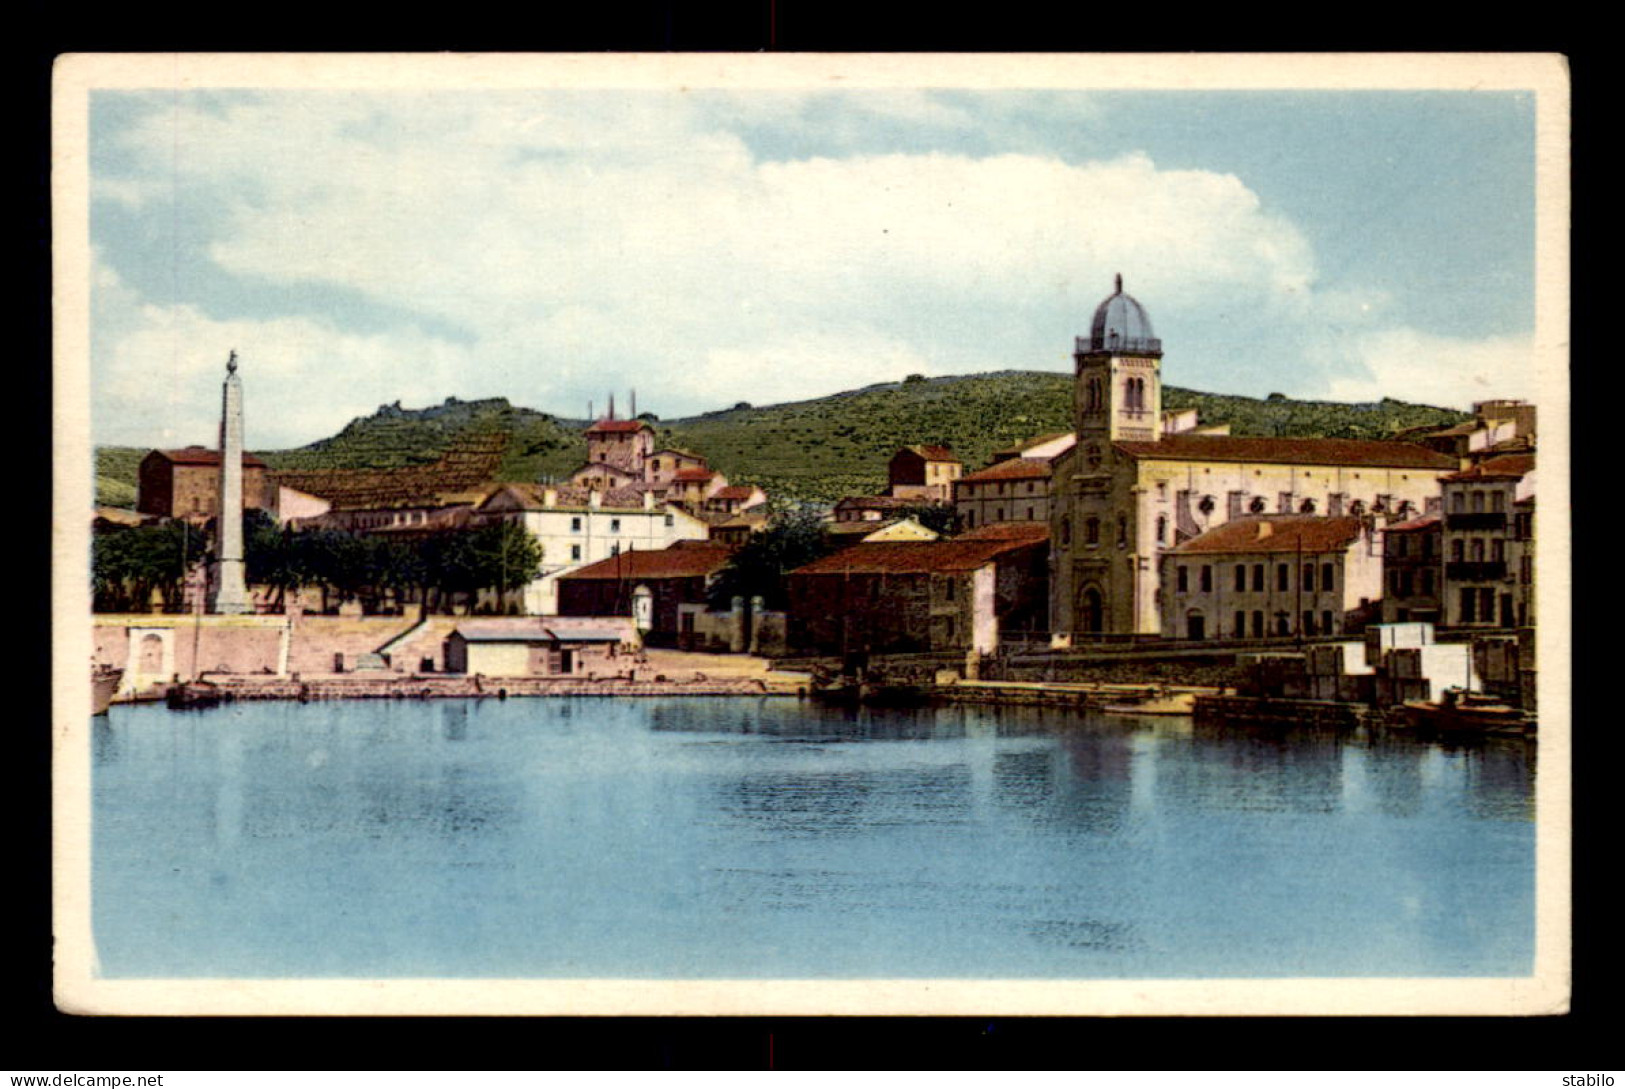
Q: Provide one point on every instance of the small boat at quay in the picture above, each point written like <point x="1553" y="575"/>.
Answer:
<point x="103" y="684"/>
<point x="1462" y="711"/>
<point x="1182" y="704"/>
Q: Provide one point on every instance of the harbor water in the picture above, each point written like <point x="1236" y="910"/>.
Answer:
<point x="768" y="838"/>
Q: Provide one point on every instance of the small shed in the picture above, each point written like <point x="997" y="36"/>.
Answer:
<point x="539" y="648"/>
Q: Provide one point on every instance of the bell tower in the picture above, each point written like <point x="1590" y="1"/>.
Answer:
<point x="1118" y="394"/>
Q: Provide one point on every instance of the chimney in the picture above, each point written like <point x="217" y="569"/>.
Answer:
<point x="648" y="500"/>
<point x="612" y="406"/>
<point x="595" y="498"/>
<point x="1265" y="529"/>
<point x="550" y="497"/>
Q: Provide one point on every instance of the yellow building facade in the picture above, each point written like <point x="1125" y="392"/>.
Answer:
<point x="1127" y="491"/>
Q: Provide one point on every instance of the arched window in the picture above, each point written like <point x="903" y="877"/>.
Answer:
<point x="1162" y="529"/>
<point x="1091" y="531"/>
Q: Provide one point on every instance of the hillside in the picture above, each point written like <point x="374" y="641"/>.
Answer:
<point x="817" y="450"/>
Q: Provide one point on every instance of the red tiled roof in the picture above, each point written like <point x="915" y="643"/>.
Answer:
<point x="1306" y="533"/>
<point x="1028" y="532"/>
<point x="694" y="560"/>
<point x="1387" y="455"/>
<point x="1425" y="522"/>
<point x="932" y="452"/>
<point x="619" y="426"/>
<point x="1507" y="466"/>
<point x="199" y="455"/>
<point x="695" y="475"/>
<point x="735" y="491"/>
<point x="911" y="557"/>
<point x="1014" y="469"/>
<point x="875" y="502"/>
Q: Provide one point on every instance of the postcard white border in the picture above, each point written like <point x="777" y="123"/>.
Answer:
<point x="77" y="986"/>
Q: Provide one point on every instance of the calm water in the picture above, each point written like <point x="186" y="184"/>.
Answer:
<point x="766" y="838"/>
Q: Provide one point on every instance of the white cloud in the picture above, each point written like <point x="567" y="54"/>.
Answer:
<point x="1433" y="370"/>
<point x="587" y="241"/>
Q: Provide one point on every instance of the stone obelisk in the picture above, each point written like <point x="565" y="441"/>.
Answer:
<point x="230" y="587"/>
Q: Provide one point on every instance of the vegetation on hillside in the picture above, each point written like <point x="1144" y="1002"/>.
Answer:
<point x="817" y="450"/>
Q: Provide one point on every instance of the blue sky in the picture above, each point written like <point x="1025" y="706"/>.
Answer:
<point x="709" y="247"/>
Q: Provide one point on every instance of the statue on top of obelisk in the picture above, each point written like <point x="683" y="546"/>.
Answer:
<point x="230" y="586"/>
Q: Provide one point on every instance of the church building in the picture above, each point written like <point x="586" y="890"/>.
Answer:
<point x="1132" y="487"/>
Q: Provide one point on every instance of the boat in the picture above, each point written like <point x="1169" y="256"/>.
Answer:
<point x="1176" y="703"/>
<point x="104" y="682"/>
<point x="1462" y="711"/>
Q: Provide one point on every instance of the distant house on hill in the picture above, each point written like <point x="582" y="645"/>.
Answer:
<point x="923" y="473"/>
<point x="186" y="484"/>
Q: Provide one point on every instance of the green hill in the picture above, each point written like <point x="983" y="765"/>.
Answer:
<point x="817" y="450"/>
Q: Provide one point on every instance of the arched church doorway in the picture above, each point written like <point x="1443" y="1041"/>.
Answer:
<point x="1091" y="611"/>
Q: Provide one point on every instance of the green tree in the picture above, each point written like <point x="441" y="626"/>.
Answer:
<point x="502" y="556"/>
<point x="759" y="567"/>
<point x="128" y="566"/>
<point x="939" y="517"/>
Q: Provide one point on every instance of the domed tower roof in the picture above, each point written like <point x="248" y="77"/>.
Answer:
<point x="1121" y="325"/>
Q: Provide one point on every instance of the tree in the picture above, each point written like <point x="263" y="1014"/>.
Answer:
<point x="759" y="567"/>
<point x="938" y="517"/>
<point x="502" y="556"/>
<point x="127" y="566"/>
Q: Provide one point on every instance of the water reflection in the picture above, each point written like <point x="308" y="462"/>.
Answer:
<point x="695" y="838"/>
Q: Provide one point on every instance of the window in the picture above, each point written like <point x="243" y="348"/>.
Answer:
<point x="1258" y="624"/>
<point x="1122" y="532"/>
<point x="575" y="552"/>
<point x="1478" y="502"/>
<point x="671" y="520"/>
<point x="1468" y="601"/>
<point x="1308" y="622"/>
<point x="1326" y="621"/>
<point x="1402" y="545"/>
<point x="1207" y="578"/>
<point x="1427" y="582"/>
<point x="1241" y="581"/>
<point x="1407" y="583"/>
<point x="1283" y="624"/>
<point x="1498" y="502"/>
<point x="1184" y="579"/>
<point x="614" y="525"/>
<point x="998" y="514"/>
<point x="1427" y="544"/>
<point x="948" y="589"/>
<point x="1326" y="580"/>
<point x="1029" y="514"/>
<point x="1477" y="549"/>
<point x="1457" y="550"/>
<point x="1486" y="605"/>
<point x="575" y="525"/>
<point x="1283" y="577"/>
<point x="1091" y="531"/>
<point x="1162" y="529"/>
<point x="1258" y="578"/>
<point x="1498" y="551"/>
<point x="1066" y="528"/>
<point x="615" y="549"/>
<point x="1308" y="578"/>
<point x="1240" y="630"/>
<point x="1458" y="503"/>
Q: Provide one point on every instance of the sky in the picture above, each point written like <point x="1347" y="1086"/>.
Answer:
<point x="706" y="247"/>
